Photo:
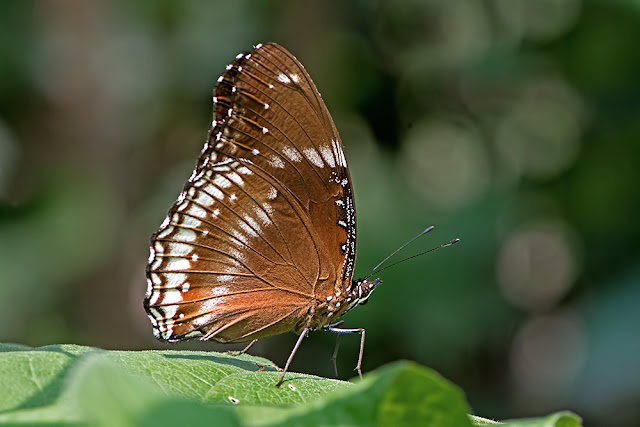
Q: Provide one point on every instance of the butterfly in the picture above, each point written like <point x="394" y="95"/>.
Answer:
<point x="262" y="238"/>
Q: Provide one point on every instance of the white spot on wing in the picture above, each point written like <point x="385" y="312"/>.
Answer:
<point x="174" y="280"/>
<point x="191" y="222"/>
<point x="214" y="191"/>
<point x="183" y="205"/>
<point x="327" y="155"/>
<point x="150" y="294"/>
<point x="172" y="296"/>
<point x="263" y="216"/>
<point x="252" y="222"/>
<point x="268" y="208"/>
<point x="272" y="194"/>
<point x="291" y="153"/>
<point x="217" y="291"/>
<point x="339" y="154"/>
<point x="202" y="320"/>
<point x="204" y="199"/>
<point x="177" y="264"/>
<point x="238" y="235"/>
<point x="185" y="235"/>
<point x="196" y="210"/>
<point x="235" y="178"/>
<point x="156" y="279"/>
<point x="276" y="162"/>
<point x="237" y="255"/>
<point x="313" y="156"/>
<point x="159" y="248"/>
<point x="250" y="231"/>
<point x="221" y="182"/>
<point x="164" y="233"/>
<point x="169" y="311"/>
<point x="284" y="78"/>
<point x="165" y="222"/>
<point x="180" y="249"/>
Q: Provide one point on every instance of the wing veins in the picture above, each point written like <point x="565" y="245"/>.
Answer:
<point x="302" y="128"/>
<point x="283" y="69"/>
<point x="231" y="236"/>
<point x="257" y="232"/>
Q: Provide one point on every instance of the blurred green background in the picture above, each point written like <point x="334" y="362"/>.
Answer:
<point x="511" y="124"/>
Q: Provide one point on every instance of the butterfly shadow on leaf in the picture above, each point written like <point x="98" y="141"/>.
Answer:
<point x="252" y="365"/>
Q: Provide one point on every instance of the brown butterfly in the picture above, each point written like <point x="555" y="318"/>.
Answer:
<point x="262" y="239"/>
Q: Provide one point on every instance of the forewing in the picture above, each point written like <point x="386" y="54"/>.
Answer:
<point x="275" y="116"/>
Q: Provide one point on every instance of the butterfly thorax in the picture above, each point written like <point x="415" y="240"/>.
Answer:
<point x="326" y="311"/>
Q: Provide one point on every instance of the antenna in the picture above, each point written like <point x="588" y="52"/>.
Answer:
<point x="456" y="240"/>
<point x="422" y="233"/>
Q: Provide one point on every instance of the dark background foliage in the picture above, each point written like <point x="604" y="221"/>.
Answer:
<point x="511" y="124"/>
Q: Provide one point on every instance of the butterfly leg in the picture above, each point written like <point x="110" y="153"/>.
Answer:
<point x="243" y="351"/>
<point x="352" y="331"/>
<point x="303" y="334"/>
<point x="334" y="358"/>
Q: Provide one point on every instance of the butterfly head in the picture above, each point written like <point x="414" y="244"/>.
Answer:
<point x="362" y="289"/>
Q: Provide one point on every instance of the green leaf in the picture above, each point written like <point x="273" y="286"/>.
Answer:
<point x="71" y="385"/>
<point x="109" y="395"/>
<point x="399" y="394"/>
<point x="559" y="419"/>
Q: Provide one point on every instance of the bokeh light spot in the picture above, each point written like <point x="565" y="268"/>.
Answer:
<point x="546" y="355"/>
<point x="446" y="163"/>
<point x="536" y="266"/>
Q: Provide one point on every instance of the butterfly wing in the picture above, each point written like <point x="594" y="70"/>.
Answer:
<point x="285" y="121"/>
<point x="257" y="233"/>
